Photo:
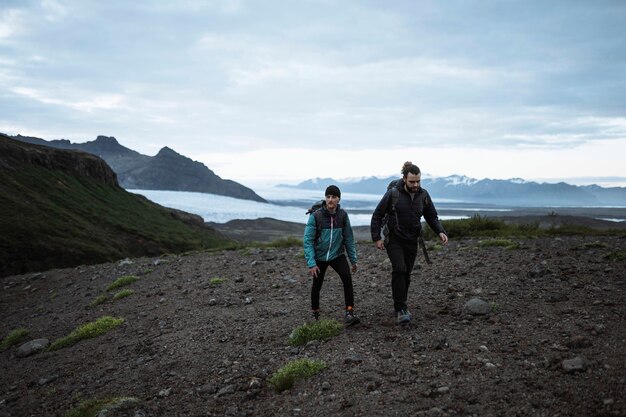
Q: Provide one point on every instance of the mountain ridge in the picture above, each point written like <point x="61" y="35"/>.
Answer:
<point x="167" y="170"/>
<point x="496" y="191"/>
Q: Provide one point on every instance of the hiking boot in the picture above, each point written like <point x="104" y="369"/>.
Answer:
<point x="403" y="317"/>
<point x="350" y="318"/>
<point x="316" y="314"/>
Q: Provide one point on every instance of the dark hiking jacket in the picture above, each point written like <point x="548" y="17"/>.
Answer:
<point x="406" y="222"/>
<point x="330" y="238"/>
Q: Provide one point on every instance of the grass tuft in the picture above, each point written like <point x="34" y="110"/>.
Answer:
<point x="216" y="281"/>
<point x="99" y="300"/>
<point x="13" y="338"/>
<point x="480" y="226"/>
<point x="616" y="255"/>
<point x="93" y="407"/>
<point x="123" y="293"/>
<point x="505" y="243"/>
<point x="87" y="331"/>
<point x="287" y="242"/>
<point x="596" y="245"/>
<point x="318" y="330"/>
<point x="122" y="282"/>
<point x="286" y="376"/>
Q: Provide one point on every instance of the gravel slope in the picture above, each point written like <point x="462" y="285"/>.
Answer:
<point x="190" y="348"/>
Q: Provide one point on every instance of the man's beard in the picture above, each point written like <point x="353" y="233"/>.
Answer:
<point x="412" y="189"/>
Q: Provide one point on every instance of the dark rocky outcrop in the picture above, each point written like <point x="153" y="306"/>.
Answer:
<point x="14" y="155"/>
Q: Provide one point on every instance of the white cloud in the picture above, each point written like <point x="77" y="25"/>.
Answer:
<point x="225" y="7"/>
<point x="13" y="23"/>
<point x="54" y="9"/>
<point x="68" y="99"/>
<point x="258" y="62"/>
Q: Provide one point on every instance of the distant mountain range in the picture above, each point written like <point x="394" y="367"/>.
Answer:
<point x="515" y="191"/>
<point x="167" y="170"/>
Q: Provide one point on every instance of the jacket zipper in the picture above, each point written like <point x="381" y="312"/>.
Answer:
<point x="330" y="244"/>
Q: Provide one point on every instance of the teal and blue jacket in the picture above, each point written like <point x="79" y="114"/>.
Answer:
<point x="328" y="236"/>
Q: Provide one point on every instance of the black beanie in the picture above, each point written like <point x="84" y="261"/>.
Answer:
<point x="333" y="190"/>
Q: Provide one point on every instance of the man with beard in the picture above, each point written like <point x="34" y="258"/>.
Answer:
<point x="404" y="206"/>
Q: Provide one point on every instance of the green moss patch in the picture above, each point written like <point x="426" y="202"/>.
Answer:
<point x="122" y="281"/>
<point x="318" y="330"/>
<point x="616" y="255"/>
<point x="216" y="281"/>
<point x="93" y="407"/>
<point x="123" y="294"/>
<point x="505" y="243"/>
<point x="286" y="376"/>
<point x="87" y="331"/>
<point x="13" y="338"/>
<point x="596" y="245"/>
<point x="99" y="300"/>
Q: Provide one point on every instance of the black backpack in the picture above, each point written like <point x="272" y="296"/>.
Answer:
<point x="393" y="186"/>
<point x="316" y="206"/>
<point x="314" y="210"/>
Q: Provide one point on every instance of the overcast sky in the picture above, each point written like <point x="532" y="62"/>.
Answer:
<point x="289" y="90"/>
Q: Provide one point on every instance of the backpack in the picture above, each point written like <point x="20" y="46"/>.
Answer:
<point x="316" y="206"/>
<point x="315" y="211"/>
<point x="393" y="186"/>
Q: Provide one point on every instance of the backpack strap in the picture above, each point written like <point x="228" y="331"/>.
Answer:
<point x="395" y="194"/>
<point x="318" y="224"/>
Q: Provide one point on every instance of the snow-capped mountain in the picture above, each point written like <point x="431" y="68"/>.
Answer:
<point x="514" y="191"/>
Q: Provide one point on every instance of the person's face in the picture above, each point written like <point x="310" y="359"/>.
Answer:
<point x="412" y="182"/>
<point x="332" y="201"/>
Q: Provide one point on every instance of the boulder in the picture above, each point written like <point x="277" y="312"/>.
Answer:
<point x="476" y="306"/>
<point x="32" y="347"/>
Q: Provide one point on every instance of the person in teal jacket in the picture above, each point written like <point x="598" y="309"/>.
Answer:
<point x="327" y="238"/>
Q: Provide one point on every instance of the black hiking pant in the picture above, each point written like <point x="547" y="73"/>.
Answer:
<point x="402" y="254"/>
<point x="341" y="266"/>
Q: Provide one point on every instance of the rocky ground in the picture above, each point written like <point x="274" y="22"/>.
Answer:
<point x="553" y="343"/>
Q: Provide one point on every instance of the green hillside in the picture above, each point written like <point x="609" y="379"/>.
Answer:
<point x="50" y="218"/>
